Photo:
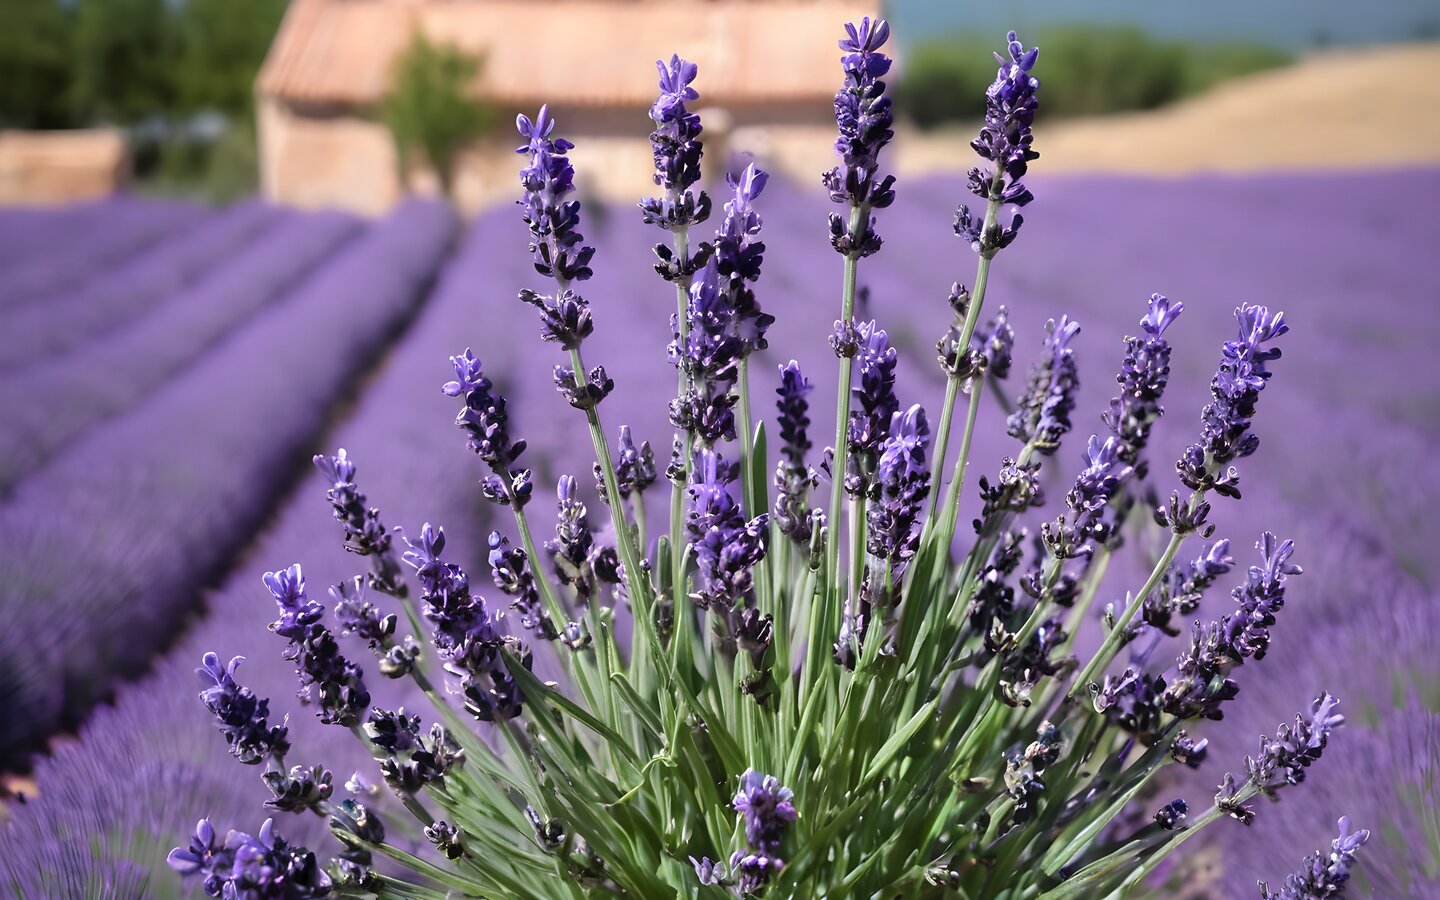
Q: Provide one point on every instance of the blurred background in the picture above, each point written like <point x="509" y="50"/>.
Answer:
<point x="234" y="233"/>
<point x="355" y="103"/>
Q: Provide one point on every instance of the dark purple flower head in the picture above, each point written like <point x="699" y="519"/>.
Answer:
<point x="1242" y="375"/>
<point x="711" y="357"/>
<point x="902" y="483"/>
<point x="1010" y="104"/>
<point x="365" y="534"/>
<point x="793" y="413"/>
<point x="874" y="393"/>
<point x="765" y="805"/>
<point x="1282" y="759"/>
<point x="676" y="147"/>
<point x="1007" y="142"/>
<point x="726" y="547"/>
<point x="249" y="867"/>
<point x="1143" y="377"/>
<point x="241" y="716"/>
<point x="1042" y="414"/>
<point x="634" y="466"/>
<point x="1322" y="876"/>
<point x="738" y="256"/>
<point x="470" y="638"/>
<point x="510" y="571"/>
<point x="1072" y="534"/>
<point x="486" y="421"/>
<point x="327" y="678"/>
<point x="863" y="117"/>
<point x="575" y="554"/>
<point x="554" y="222"/>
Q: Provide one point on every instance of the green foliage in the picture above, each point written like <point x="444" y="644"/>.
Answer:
<point x="125" y="54"/>
<point x="222" y="45"/>
<point x="1087" y="70"/>
<point x="430" y="110"/>
<point x="35" y="51"/>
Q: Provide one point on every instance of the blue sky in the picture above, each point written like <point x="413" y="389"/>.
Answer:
<point x="1295" y="24"/>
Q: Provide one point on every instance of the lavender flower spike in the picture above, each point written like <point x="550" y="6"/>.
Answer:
<point x="738" y="256"/>
<point x="767" y="809"/>
<point x="263" y="865"/>
<point x="487" y="422"/>
<point x="726" y="547"/>
<point x="792" y="477"/>
<point x="863" y="117"/>
<point x="1042" y="414"/>
<point x="1243" y="374"/>
<point x="327" y="678"/>
<point x="1070" y="536"/>
<point x="365" y="534"/>
<point x="677" y="149"/>
<point x="555" y="239"/>
<point x="1006" y="140"/>
<point x="1143" y="378"/>
<point x="1322" y="876"/>
<point x="902" y="483"/>
<point x="240" y="715"/>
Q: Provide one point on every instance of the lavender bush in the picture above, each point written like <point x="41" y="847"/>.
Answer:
<point x="725" y="742"/>
<point x="39" y="331"/>
<point x="162" y="498"/>
<point x="51" y="402"/>
<point x="117" y="229"/>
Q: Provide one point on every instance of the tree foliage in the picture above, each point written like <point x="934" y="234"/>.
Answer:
<point x="430" y="109"/>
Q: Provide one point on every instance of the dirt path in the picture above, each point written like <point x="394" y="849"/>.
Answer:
<point x="1371" y="108"/>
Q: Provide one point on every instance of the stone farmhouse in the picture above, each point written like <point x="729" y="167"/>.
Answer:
<point x="768" y="73"/>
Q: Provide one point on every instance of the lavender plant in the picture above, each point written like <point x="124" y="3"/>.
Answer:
<point x="742" y="706"/>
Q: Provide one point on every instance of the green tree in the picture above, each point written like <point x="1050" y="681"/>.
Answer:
<point x="35" y="53"/>
<point x="222" y="45"/>
<point x="430" y="110"/>
<point x="125" y="56"/>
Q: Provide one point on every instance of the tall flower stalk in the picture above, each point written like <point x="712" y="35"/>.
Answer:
<point x="788" y="721"/>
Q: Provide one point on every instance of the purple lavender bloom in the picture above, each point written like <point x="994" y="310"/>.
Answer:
<point x="711" y="357"/>
<point x="675" y="144"/>
<point x="1282" y="759"/>
<point x="634" y="466"/>
<point x="752" y="872"/>
<point x="1143" y="377"/>
<point x="1243" y="374"/>
<point x="470" y="639"/>
<point x="1322" y="876"/>
<point x="793" y="479"/>
<point x="726" y="547"/>
<point x="487" y="422"/>
<point x="555" y="238"/>
<point x="863" y="116"/>
<point x="1006" y="140"/>
<point x="996" y="342"/>
<point x="1200" y="683"/>
<point x="204" y="855"/>
<point x="254" y="867"/>
<point x="1042" y="414"/>
<point x="902" y="482"/>
<point x="510" y="570"/>
<point x="1247" y="630"/>
<point x="739" y="256"/>
<point x="1180" y="592"/>
<point x="874" y="393"/>
<point x="1070" y="535"/>
<point x="765" y="805"/>
<point x="579" y="562"/>
<point x="241" y="716"/>
<point x="327" y="678"/>
<point x="365" y="534"/>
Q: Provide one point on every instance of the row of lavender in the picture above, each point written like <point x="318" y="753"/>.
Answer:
<point x="50" y="253"/>
<point x="112" y="538"/>
<point x="1375" y="590"/>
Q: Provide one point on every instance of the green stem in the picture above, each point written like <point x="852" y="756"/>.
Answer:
<point x="1116" y="636"/>
<point x="842" y="401"/>
<point x="967" y="331"/>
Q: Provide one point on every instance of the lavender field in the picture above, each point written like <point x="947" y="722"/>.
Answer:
<point x="166" y="372"/>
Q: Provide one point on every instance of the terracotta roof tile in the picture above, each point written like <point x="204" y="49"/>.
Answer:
<point x="576" y="52"/>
